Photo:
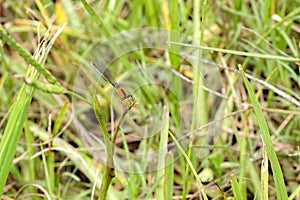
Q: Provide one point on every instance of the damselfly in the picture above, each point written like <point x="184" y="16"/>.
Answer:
<point x="105" y="73"/>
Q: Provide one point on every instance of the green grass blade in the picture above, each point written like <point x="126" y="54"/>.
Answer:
<point x="294" y="194"/>
<point x="243" y="163"/>
<point x="48" y="178"/>
<point x="13" y="132"/>
<point x="108" y="171"/>
<point x="169" y="177"/>
<point x="31" y="163"/>
<point x="188" y="160"/>
<point x="99" y="21"/>
<point x="59" y="120"/>
<point x="175" y="49"/>
<point x="240" y="53"/>
<point x="160" y="175"/>
<point x="277" y="172"/>
<point x="235" y="188"/>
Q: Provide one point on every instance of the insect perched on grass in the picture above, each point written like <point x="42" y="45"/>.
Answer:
<point x="127" y="98"/>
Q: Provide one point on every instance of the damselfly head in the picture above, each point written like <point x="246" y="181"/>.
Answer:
<point x="129" y="102"/>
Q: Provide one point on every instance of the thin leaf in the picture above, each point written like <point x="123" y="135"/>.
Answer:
<point x="277" y="172"/>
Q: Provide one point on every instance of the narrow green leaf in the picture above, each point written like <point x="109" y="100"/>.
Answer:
<point x="162" y="154"/>
<point x="235" y="187"/>
<point x="240" y="53"/>
<point x="277" y="172"/>
<point x="294" y="194"/>
<point x="169" y="177"/>
<point x="108" y="169"/>
<point x="190" y="165"/>
<point x="59" y="120"/>
<point x="13" y="132"/>
<point x="99" y="21"/>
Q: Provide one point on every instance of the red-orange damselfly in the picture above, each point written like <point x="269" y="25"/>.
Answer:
<point x="127" y="98"/>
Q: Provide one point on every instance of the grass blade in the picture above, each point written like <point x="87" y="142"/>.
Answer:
<point x="169" y="177"/>
<point x="188" y="160"/>
<point x="235" y="188"/>
<point x="240" y="53"/>
<point x="13" y="132"/>
<point x="162" y="154"/>
<point x="277" y="172"/>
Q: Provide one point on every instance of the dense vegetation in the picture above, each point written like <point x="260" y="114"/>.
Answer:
<point x="205" y="106"/>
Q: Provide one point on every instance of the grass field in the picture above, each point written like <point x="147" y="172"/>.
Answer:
<point x="150" y="99"/>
